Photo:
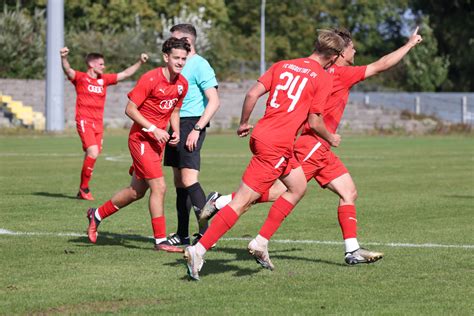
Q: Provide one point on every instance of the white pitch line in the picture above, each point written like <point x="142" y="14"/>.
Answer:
<point x="279" y="241"/>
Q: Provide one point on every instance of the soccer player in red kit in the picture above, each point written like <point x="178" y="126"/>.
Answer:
<point x="314" y="154"/>
<point x="298" y="89"/>
<point x="155" y="101"/>
<point x="91" y="88"/>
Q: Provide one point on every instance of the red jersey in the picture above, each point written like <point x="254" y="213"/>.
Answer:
<point x="91" y="94"/>
<point x="344" y="77"/>
<point x="296" y="88"/>
<point x="156" y="99"/>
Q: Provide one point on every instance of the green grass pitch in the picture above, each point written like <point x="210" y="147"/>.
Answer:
<point x="416" y="204"/>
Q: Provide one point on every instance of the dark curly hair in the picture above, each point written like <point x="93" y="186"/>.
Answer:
<point x="176" y="43"/>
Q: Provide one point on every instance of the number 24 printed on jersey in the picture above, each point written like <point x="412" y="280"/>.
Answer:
<point x="289" y="87"/>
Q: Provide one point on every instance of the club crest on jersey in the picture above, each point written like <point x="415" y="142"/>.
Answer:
<point x="331" y="70"/>
<point x="100" y="82"/>
<point x="180" y="89"/>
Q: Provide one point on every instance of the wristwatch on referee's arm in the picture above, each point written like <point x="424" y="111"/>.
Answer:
<point x="197" y="128"/>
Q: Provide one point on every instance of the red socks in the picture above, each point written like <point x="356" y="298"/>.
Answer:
<point x="107" y="209"/>
<point x="159" y="227"/>
<point x="263" y="198"/>
<point x="280" y="209"/>
<point x="222" y="222"/>
<point x="87" y="169"/>
<point x="346" y="215"/>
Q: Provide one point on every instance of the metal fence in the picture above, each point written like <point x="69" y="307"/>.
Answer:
<point x="455" y="107"/>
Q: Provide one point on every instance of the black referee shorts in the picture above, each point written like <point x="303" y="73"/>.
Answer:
<point x="179" y="156"/>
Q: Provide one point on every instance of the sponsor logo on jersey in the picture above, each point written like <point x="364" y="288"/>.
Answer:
<point x="168" y="104"/>
<point x="95" y="89"/>
<point x="180" y="89"/>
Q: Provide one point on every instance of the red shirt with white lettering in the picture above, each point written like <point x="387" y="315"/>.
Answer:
<point x="91" y="94"/>
<point x="156" y="99"/>
<point x="344" y="77"/>
<point x="296" y="88"/>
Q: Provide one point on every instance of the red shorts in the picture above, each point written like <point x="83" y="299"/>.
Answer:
<point x="147" y="157"/>
<point x="266" y="166"/>
<point x="319" y="162"/>
<point x="90" y="134"/>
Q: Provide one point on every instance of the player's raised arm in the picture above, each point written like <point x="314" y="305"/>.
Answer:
<point x="133" y="68"/>
<point x="255" y="92"/>
<point x="390" y="60"/>
<point x="68" y="71"/>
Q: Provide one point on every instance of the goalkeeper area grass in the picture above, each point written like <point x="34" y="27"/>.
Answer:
<point x="416" y="203"/>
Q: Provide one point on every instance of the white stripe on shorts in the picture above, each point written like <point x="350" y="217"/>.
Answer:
<point x="82" y="126"/>
<point x="282" y="159"/>
<point x="142" y="148"/>
<point x="312" y="151"/>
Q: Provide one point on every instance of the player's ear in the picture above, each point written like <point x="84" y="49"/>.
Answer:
<point x="166" y="57"/>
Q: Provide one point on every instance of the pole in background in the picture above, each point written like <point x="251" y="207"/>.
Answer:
<point x="262" y="39"/>
<point x="54" y="73"/>
<point x="417" y="105"/>
<point x="465" y="114"/>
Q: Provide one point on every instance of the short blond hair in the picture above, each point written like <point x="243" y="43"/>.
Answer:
<point x="329" y="44"/>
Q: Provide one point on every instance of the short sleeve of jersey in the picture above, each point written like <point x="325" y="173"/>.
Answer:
<point x="142" y="89"/>
<point x="206" y="76"/>
<point x="351" y="75"/>
<point x="110" y="79"/>
<point x="267" y="77"/>
<point x="323" y="90"/>
<point x="78" y="75"/>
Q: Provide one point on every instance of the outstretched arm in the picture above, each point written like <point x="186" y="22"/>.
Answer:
<point x="390" y="60"/>
<point x="133" y="68"/>
<point x="255" y="92"/>
<point x="68" y="71"/>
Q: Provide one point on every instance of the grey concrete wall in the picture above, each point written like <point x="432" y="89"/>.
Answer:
<point x="32" y="93"/>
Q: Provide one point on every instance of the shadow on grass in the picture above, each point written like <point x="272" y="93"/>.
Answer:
<point x="112" y="239"/>
<point x="216" y="266"/>
<point x="460" y="196"/>
<point x="55" y="195"/>
<point x="275" y="255"/>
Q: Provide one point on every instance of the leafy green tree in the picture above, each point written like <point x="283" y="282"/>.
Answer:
<point x="453" y="24"/>
<point x="22" y="42"/>
<point x="425" y="69"/>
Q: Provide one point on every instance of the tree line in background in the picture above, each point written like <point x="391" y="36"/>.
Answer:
<point x="229" y="35"/>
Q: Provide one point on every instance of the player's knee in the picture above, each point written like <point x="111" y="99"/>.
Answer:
<point x="350" y="196"/>
<point x="136" y="194"/>
<point x="159" y="189"/>
<point x="298" y="191"/>
<point x="93" y="152"/>
<point x="188" y="181"/>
